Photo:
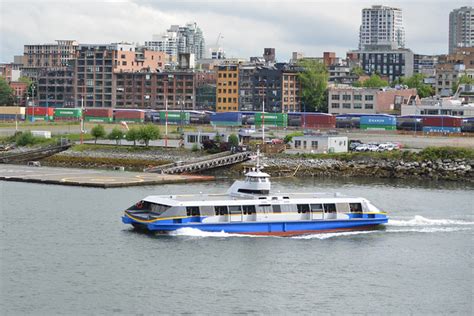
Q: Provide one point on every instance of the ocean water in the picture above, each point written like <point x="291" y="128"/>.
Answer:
<point x="65" y="251"/>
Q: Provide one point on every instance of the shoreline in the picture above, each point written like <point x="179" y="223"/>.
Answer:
<point x="458" y="169"/>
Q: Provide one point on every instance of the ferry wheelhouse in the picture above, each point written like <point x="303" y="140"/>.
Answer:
<point x="248" y="207"/>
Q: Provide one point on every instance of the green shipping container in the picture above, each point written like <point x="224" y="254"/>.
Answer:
<point x="129" y="120"/>
<point x="98" y="119"/>
<point x="379" y="127"/>
<point x="39" y="118"/>
<point x="175" y="116"/>
<point x="68" y="112"/>
<point x="271" y="119"/>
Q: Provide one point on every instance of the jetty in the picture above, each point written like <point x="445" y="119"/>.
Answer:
<point x="91" y="178"/>
<point x="205" y="163"/>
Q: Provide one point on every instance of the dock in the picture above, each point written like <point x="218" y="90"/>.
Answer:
<point x="91" y="178"/>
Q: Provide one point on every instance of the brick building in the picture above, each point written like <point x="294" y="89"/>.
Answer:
<point x="149" y="90"/>
<point x="227" y="88"/>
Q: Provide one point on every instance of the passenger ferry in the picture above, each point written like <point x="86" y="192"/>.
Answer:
<point x="248" y="207"/>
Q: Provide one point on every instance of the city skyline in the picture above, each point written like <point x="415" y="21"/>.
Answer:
<point x="246" y="27"/>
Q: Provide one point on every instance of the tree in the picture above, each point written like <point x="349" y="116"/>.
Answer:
<point x="29" y="90"/>
<point x="116" y="134"/>
<point x="6" y="93"/>
<point x="417" y="81"/>
<point x="149" y="132"/>
<point x="358" y="71"/>
<point x="314" y="79"/>
<point x="133" y="135"/>
<point x="233" y="140"/>
<point x="464" y="79"/>
<point x="374" y="82"/>
<point x="98" y="131"/>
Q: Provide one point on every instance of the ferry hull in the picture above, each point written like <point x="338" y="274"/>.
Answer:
<point x="267" y="228"/>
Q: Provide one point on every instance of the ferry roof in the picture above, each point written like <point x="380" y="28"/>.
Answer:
<point x="249" y="199"/>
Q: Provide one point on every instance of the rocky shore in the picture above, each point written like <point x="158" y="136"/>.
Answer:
<point x="277" y="165"/>
<point x="447" y="169"/>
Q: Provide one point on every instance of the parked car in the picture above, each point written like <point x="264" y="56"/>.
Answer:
<point x="372" y="147"/>
<point x="362" y="147"/>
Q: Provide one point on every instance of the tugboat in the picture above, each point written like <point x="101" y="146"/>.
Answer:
<point x="249" y="207"/>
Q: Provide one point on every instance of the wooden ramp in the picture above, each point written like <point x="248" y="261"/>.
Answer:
<point x="205" y="163"/>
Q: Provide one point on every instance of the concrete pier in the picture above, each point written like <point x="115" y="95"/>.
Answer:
<point x="91" y="178"/>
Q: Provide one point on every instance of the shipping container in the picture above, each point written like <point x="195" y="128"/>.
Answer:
<point x="378" y="120"/>
<point x="442" y="120"/>
<point x="468" y="125"/>
<point x="175" y="116"/>
<point x="318" y="120"/>
<point x="98" y="119"/>
<point x="12" y="110"/>
<point x="66" y="119"/>
<point x="410" y="123"/>
<point x="12" y="117"/>
<point x="98" y="112"/>
<point x="225" y="123"/>
<point x="129" y="120"/>
<point x="441" y="129"/>
<point x="38" y="111"/>
<point x="378" y="127"/>
<point x="33" y="118"/>
<point x="271" y="119"/>
<point x="227" y="117"/>
<point x="129" y="114"/>
<point x="65" y="112"/>
<point x="348" y="121"/>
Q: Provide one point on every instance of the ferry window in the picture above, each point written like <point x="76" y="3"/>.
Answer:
<point x="355" y="207"/>
<point x="141" y="206"/>
<point x="159" y="208"/>
<point x="302" y="208"/>
<point x="249" y="209"/>
<point x="316" y="207"/>
<point x="235" y="209"/>
<point x="221" y="210"/>
<point x="192" y="211"/>
<point x="329" y="208"/>
<point x="276" y="208"/>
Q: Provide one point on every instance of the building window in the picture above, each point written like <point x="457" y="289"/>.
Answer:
<point x="192" y="139"/>
<point x="358" y="97"/>
<point x="314" y="144"/>
<point x="335" y="97"/>
<point x="357" y="105"/>
<point x="369" y="98"/>
<point x="346" y="105"/>
<point x="346" y="97"/>
<point x="297" y="143"/>
<point x="335" y="105"/>
<point x="369" y="106"/>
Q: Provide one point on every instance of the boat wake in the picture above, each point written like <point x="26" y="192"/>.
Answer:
<point x="194" y="232"/>
<point x="420" y="221"/>
<point x="417" y="224"/>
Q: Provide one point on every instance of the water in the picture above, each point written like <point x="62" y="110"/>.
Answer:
<point x="64" y="250"/>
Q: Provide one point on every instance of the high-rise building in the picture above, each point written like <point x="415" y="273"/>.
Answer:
<point x="48" y="56"/>
<point x="381" y="26"/>
<point x="461" y="28"/>
<point x="96" y="65"/>
<point x="179" y="39"/>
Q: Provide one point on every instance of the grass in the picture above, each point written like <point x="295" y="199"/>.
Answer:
<point x="129" y="163"/>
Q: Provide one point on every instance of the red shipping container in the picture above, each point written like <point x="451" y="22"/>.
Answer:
<point x="129" y="114"/>
<point x="318" y="121"/>
<point x="39" y="111"/>
<point x="98" y="112"/>
<point x="448" y="121"/>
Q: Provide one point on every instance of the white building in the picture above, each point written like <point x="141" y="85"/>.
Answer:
<point x="381" y="26"/>
<point x="318" y="144"/>
<point x="179" y="39"/>
<point x="192" y="139"/>
<point x="461" y="28"/>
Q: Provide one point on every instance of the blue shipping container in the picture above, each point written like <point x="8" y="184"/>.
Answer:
<point x="227" y="117"/>
<point x="378" y="120"/>
<point x="441" y="129"/>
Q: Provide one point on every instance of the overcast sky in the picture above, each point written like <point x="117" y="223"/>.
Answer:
<point x="246" y="26"/>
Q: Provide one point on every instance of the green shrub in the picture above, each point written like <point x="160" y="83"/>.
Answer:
<point x="195" y="148"/>
<point x="25" y="139"/>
